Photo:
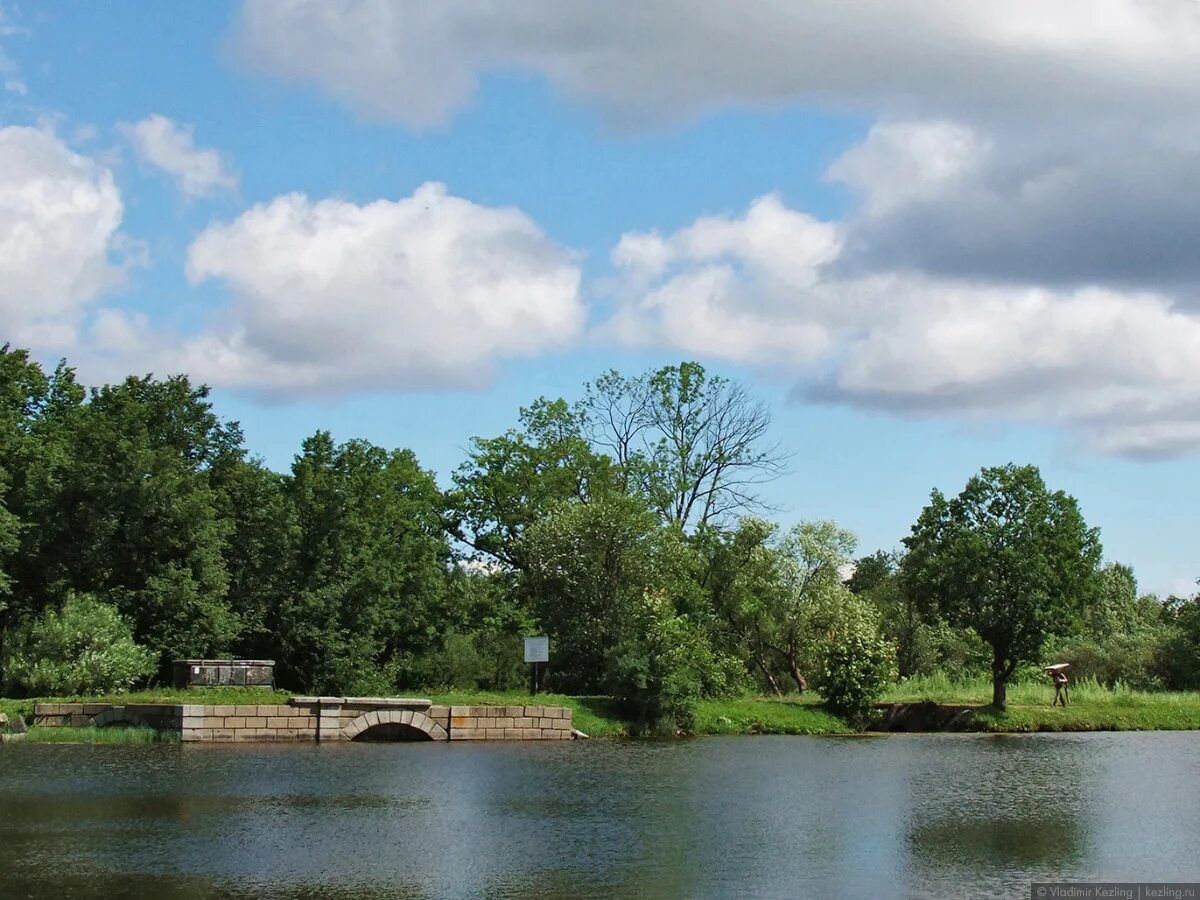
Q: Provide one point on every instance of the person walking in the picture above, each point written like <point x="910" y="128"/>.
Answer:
<point x="1060" y="688"/>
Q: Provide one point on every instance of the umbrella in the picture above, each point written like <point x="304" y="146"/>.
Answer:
<point x="1057" y="667"/>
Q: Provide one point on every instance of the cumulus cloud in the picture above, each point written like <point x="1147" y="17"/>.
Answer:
<point x="1049" y="139"/>
<point x="1121" y="369"/>
<point x="172" y="148"/>
<point x="59" y="215"/>
<point x="329" y="295"/>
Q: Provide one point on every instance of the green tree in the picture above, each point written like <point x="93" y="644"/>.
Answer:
<point x="37" y="412"/>
<point x="615" y="590"/>
<point x="511" y="481"/>
<point x="744" y="579"/>
<point x="814" y="554"/>
<point x="1007" y="558"/>
<point x="84" y="648"/>
<point x="366" y="566"/>
<point x="136" y="519"/>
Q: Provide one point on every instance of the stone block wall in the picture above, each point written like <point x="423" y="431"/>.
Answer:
<point x="510" y="723"/>
<point x="320" y="719"/>
<point x="165" y="716"/>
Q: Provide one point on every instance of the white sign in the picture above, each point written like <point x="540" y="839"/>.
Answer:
<point x="537" y="649"/>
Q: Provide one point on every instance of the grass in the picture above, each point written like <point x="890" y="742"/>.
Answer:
<point x="594" y="716"/>
<point x="110" y="735"/>
<point x="762" y="715"/>
<point x="598" y="716"/>
<point x="1094" y="707"/>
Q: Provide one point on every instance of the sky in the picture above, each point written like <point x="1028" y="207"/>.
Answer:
<point x="932" y="235"/>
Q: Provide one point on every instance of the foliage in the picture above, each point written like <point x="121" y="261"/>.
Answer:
<point x="84" y="648"/>
<point x="663" y="665"/>
<point x="588" y="567"/>
<point x="107" y="735"/>
<point x="858" y="665"/>
<point x="1180" y="657"/>
<point x="362" y="569"/>
<point x="1007" y="558"/>
<point x="510" y="481"/>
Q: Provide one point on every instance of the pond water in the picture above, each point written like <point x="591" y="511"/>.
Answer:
<point x="902" y="815"/>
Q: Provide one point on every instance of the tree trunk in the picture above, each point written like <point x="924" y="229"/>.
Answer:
<point x="999" y="689"/>
<point x="801" y="682"/>
<point x="770" y="678"/>
<point x="1002" y="670"/>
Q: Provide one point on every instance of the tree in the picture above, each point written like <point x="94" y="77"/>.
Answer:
<point x="1007" y="558"/>
<point x="511" y="481"/>
<point x="693" y="444"/>
<point x="613" y="588"/>
<point x="857" y="664"/>
<point x="136" y="518"/>
<point x="587" y="566"/>
<point x="365" y="566"/>
<point x="816" y="600"/>
<point x="745" y="584"/>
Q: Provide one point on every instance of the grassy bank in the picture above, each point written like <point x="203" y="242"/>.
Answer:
<point x="110" y="735"/>
<point x="1093" y="707"/>
<point x="598" y="716"/>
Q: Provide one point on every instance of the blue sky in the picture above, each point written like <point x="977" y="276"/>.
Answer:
<point x="932" y="237"/>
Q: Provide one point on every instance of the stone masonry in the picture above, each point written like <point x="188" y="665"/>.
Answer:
<point x="323" y="719"/>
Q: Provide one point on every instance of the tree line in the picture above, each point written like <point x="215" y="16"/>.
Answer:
<point x="136" y="528"/>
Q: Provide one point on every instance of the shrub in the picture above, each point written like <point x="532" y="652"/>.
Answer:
<point x="84" y="648"/>
<point x="664" y="665"/>
<point x="857" y="665"/>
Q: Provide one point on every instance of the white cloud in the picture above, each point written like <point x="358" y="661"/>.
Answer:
<point x="329" y="295"/>
<point x="59" y="214"/>
<point x="171" y="147"/>
<point x="1120" y="369"/>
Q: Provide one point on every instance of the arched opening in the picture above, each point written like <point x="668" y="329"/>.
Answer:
<point x="394" y="725"/>
<point x="392" y="731"/>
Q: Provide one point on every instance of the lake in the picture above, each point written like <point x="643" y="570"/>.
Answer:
<point x="901" y="815"/>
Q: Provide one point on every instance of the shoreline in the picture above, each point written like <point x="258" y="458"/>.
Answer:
<point x="955" y="711"/>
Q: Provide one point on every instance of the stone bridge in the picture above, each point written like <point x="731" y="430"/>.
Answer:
<point x="323" y="719"/>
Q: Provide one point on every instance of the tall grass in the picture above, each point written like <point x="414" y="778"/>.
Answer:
<point x="977" y="690"/>
<point x="110" y="735"/>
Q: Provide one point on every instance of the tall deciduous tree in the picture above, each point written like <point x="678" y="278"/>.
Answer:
<point x="510" y="481"/>
<point x="1007" y="558"/>
<point x="694" y="444"/>
<point x="365" y="566"/>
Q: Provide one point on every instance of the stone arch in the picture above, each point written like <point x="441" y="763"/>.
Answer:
<point x="116" y="715"/>
<point x="417" y="722"/>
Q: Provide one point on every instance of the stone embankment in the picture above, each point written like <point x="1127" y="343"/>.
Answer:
<point x="323" y="719"/>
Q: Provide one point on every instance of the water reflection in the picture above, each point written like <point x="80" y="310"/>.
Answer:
<point x="916" y="815"/>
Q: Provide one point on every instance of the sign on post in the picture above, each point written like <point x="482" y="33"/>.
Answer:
<point x="537" y="654"/>
<point x="537" y="649"/>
